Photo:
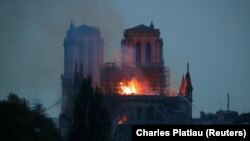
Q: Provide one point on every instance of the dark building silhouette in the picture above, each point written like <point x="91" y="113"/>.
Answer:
<point x="83" y="56"/>
<point x="220" y="117"/>
<point x="224" y="116"/>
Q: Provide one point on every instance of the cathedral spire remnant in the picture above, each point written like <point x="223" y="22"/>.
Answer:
<point x="186" y="88"/>
<point x="152" y="25"/>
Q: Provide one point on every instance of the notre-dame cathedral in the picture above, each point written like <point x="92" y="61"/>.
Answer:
<point x="136" y="90"/>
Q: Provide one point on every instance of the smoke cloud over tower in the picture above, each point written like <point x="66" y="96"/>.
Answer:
<point x="32" y="34"/>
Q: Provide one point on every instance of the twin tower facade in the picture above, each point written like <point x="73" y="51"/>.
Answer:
<point x="84" y="50"/>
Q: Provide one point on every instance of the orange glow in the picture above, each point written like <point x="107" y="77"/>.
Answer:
<point x="128" y="88"/>
<point x="183" y="87"/>
<point x="123" y="120"/>
<point x="134" y="86"/>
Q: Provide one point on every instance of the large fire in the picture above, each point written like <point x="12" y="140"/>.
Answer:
<point x="134" y="87"/>
<point x="129" y="87"/>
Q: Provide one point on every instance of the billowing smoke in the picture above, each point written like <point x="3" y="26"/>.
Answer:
<point x="128" y="56"/>
<point x="31" y="38"/>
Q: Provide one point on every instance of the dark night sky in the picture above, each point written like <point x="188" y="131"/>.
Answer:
<point x="212" y="35"/>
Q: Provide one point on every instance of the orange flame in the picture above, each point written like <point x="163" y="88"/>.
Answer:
<point x="128" y="88"/>
<point x="134" y="86"/>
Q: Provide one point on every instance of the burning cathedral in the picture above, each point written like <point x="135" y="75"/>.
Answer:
<point x="136" y="90"/>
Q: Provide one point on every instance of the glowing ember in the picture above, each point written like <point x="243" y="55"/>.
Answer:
<point x="123" y="119"/>
<point x="128" y="88"/>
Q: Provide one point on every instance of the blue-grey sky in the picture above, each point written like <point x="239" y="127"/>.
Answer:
<point x="213" y="35"/>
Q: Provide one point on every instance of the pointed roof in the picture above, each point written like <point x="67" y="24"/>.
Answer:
<point x="187" y="69"/>
<point x="188" y="78"/>
<point x="188" y="74"/>
<point x="71" y="25"/>
<point x="151" y="24"/>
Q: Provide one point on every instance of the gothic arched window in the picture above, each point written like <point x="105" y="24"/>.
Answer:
<point x="138" y="54"/>
<point x="148" y="54"/>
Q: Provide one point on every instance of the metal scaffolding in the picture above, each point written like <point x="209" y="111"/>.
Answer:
<point x="157" y="75"/>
